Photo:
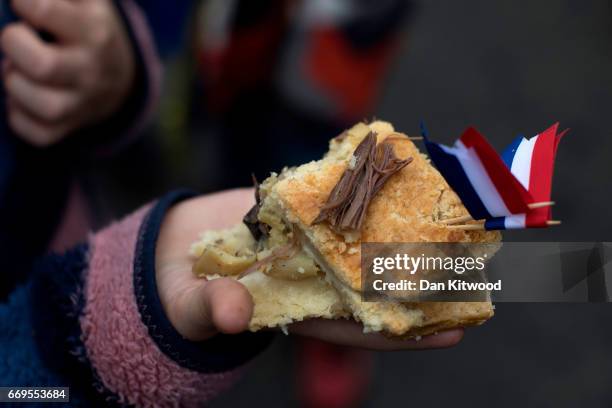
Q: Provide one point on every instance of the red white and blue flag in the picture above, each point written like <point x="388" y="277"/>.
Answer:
<point x="532" y="162"/>
<point x="500" y="189"/>
<point x="479" y="176"/>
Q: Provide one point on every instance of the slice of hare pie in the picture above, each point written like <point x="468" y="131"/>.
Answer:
<point x="373" y="185"/>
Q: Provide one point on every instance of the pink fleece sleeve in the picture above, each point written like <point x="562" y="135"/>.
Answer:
<point x="123" y="355"/>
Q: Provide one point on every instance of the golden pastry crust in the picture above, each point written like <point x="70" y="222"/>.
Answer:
<point x="407" y="209"/>
<point x="280" y="302"/>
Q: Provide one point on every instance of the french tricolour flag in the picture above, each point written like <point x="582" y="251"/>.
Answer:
<point x="485" y="184"/>
<point x="531" y="161"/>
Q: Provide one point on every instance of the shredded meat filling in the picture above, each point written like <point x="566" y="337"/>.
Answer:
<point x="371" y="167"/>
<point x="251" y="220"/>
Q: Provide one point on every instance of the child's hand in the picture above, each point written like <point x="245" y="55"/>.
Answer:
<point x="82" y="77"/>
<point x="198" y="309"/>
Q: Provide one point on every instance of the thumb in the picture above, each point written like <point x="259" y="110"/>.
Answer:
<point x="220" y="305"/>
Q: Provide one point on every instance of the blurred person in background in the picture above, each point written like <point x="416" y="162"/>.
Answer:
<point x="79" y="80"/>
<point x="279" y="78"/>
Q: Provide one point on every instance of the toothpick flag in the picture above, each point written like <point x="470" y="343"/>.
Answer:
<point x="501" y="190"/>
<point x="532" y="163"/>
<point x="479" y="176"/>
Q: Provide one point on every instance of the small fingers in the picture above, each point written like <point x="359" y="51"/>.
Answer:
<point x="61" y="18"/>
<point x="220" y="305"/>
<point x="41" y="61"/>
<point x="231" y="304"/>
<point x="350" y="333"/>
<point x="48" y="104"/>
<point x="33" y="130"/>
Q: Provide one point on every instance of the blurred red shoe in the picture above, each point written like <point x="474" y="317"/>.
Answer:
<point x="331" y="376"/>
